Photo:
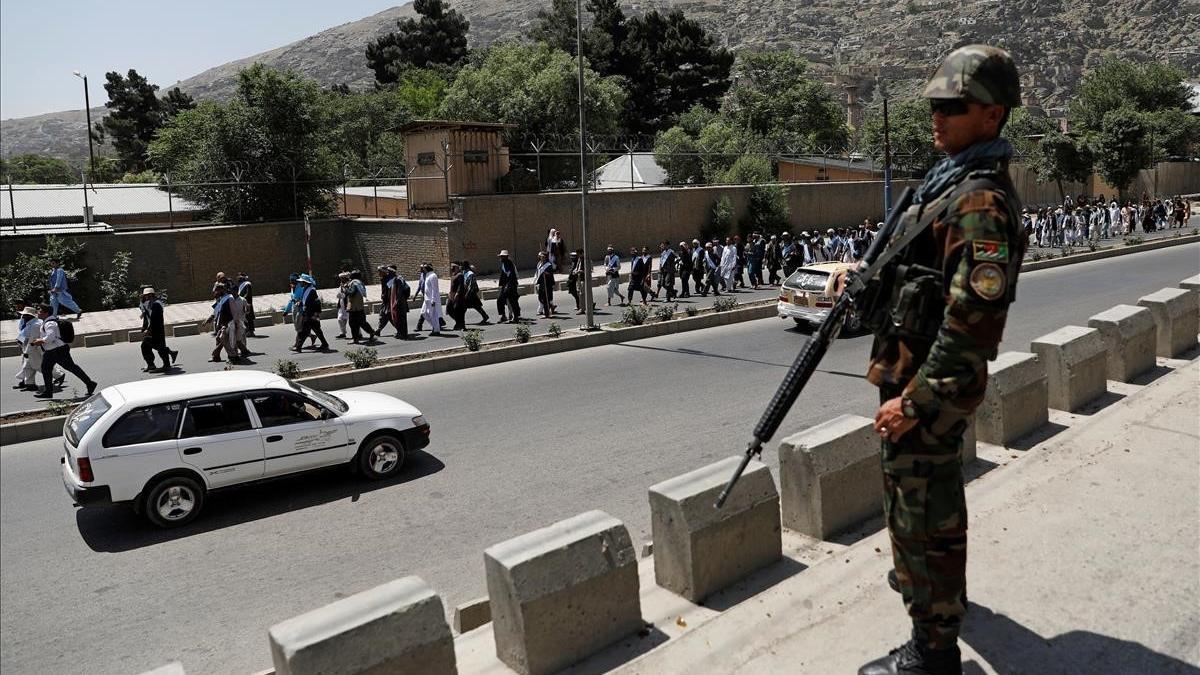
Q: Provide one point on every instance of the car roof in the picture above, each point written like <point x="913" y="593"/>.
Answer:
<point x="197" y="385"/>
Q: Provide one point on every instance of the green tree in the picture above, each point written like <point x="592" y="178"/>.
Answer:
<point x="556" y="26"/>
<point x="363" y="130"/>
<point x="533" y="86"/>
<point x="1059" y="158"/>
<point x="605" y="39"/>
<point x="269" y="141"/>
<point x="38" y="170"/>
<point x="1024" y="131"/>
<point x="438" y="39"/>
<point x="911" y="133"/>
<point x="1122" y="147"/>
<point x="777" y="100"/>
<point x="670" y="64"/>
<point x="1147" y="87"/>
<point x="677" y="150"/>
<point x="136" y="114"/>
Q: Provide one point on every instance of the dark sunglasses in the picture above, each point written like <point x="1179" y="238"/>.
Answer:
<point x="948" y="107"/>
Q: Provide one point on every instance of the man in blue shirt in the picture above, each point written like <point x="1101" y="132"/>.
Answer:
<point x="59" y="295"/>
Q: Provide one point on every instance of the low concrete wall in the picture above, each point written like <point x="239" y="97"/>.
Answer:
<point x="1176" y="319"/>
<point x="21" y="432"/>
<point x="1129" y="338"/>
<point x="562" y="593"/>
<point x="471" y="615"/>
<point x="830" y="476"/>
<point x="1016" y="400"/>
<point x="1075" y="361"/>
<point x="398" y="627"/>
<point x="699" y="549"/>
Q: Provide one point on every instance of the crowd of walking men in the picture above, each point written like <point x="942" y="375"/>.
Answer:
<point x="1081" y="220"/>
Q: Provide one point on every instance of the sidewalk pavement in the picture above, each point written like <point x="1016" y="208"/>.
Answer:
<point x="1083" y="559"/>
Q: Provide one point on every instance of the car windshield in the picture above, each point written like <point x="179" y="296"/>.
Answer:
<point x="328" y="400"/>
<point x="808" y="280"/>
<point x="82" y="418"/>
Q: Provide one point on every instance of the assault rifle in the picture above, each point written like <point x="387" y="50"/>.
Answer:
<point x="887" y="243"/>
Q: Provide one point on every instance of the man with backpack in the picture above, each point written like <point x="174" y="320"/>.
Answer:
<point x="55" y="339"/>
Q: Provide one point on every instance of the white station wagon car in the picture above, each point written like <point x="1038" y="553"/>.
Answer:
<point x="163" y="444"/>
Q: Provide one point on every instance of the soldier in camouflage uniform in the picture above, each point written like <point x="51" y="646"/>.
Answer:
<point x="932" y="376"/>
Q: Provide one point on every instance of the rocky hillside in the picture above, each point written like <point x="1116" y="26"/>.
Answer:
<point x="1054" y="41"/>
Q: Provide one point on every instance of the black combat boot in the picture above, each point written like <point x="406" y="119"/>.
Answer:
<point x="893" y="581"/>
<point x="913" y="659"/>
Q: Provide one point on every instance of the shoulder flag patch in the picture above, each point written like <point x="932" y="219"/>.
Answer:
<point x="986" y="250"/>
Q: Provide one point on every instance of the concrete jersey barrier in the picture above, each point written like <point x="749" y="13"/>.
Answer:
<point x="1176" y="318"/>
<point x="699" y="549"/>
<point x="1075" y="361"/>
<point x="1129" y="338"/>
<point x="1016" y="401"/>
<point x="399" y="627"/>
<point x="830" y="476"/>
<point x="562" y="593"/>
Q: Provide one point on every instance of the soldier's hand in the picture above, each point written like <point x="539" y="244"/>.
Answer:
<point x="890" y="421"/>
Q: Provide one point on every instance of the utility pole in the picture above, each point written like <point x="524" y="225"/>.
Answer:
<point x="587" y="260"/>
<point x="887" y="161"/>
<point x="87" y="109"/>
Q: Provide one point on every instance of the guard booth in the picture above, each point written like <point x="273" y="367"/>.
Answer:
<point x="445" y="158"/>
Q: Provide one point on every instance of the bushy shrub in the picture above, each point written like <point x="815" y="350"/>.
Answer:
<point x="554" y="330"/>
<point x="724" y="304"/>
<point x="287" y="368"/>
<point x="665" y="312"/>
<point x="472" y="338"/>
<point x="26" y="277"/>
<point x="116" y="291"/>
<point x="635" y="316"/>
<point x="363" y="357"/>
<point x="521" y="332"/>
<point x="691" y="310"/>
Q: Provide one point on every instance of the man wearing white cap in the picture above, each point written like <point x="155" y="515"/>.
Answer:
<point x="154" y="333"/>
<point x="29" y="327"/>
<point x="310" y="314"/>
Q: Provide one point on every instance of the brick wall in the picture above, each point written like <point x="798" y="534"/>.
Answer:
<point x="185" y="260"/>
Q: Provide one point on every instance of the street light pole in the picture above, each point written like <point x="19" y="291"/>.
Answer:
<point x="587" y="261"/>
<point x="87" y="109"/>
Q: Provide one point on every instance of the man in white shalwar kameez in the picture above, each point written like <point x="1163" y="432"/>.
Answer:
<point x="728" y="264"/>
<point x="431" y="305"/>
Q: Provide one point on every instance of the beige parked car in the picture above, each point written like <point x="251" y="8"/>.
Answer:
<point x="809" y="293"/>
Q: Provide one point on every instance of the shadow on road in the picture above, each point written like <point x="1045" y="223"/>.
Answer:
<point x="1009" y="647"/>
<point x="118" y="528"/>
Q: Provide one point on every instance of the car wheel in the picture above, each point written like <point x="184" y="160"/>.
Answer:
<point x="174" y="501"/>
<point x="381" y="457"/>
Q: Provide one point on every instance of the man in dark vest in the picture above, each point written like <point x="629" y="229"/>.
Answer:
<point x="154" y="333"/>
<point x="509" y="298"/>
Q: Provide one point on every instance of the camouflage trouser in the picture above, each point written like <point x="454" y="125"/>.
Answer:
<point x="926" y="512"/>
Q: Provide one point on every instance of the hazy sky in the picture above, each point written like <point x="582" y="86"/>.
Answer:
<point x="42" y="41"/>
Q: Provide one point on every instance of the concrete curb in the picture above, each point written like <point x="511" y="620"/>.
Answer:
<point x="20" y="432"/>
<point x="1114" y="252"/>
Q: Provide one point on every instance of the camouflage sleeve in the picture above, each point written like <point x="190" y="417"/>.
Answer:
<point x="979" y="264"/>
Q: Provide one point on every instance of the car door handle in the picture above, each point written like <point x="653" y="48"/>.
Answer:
<point x="192" y="451"/>
<point x="272" y="439"/>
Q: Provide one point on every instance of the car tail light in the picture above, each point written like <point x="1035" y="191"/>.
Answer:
<point x="824" y="301"/>
<point x="784" y="298"/>
<point x="85" y="469"/>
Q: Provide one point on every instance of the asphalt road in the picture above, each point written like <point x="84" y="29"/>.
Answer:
<point x="515" y="446"/>
<point x="122" y="362"/>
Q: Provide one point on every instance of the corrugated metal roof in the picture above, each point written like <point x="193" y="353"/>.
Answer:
<point x="66" y="201"/>
<point x="630" y="170"/>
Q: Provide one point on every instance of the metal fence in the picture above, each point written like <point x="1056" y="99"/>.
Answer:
<point x="240" y="193"/>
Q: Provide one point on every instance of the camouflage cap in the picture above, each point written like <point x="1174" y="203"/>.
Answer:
<point x="979" y="73"/>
